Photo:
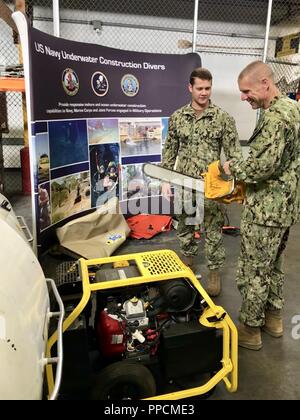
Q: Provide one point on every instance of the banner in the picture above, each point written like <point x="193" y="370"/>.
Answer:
<point x="96" y="115"/>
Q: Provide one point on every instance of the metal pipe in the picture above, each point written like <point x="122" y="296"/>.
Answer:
<point x="228" y="52"/>
<point x="155" y="28"/>
<point x="268" y="24"/>
<point x="284" y="63"/>
<point x="56" y="22"/>
<point x="59" y="358"/>
<point x="196" y="8"/>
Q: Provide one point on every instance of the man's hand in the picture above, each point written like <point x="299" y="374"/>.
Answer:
<point x="166" y="191"/>
<point x="226" y="167"/>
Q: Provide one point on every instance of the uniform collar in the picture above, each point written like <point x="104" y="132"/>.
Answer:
<point x="263" y="112"/>
<point x="275" y="99"/>
<point x="189" y="110"/>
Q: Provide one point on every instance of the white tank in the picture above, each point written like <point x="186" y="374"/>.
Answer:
<point x="8" y="215"/>
<point x="24" y="305"/>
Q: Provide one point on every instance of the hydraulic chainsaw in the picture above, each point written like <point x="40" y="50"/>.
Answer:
<point x="211" y="186"/>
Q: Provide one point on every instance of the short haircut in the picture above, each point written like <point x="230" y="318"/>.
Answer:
<point x="200" y="73"/>
<point x="257" y="68"/>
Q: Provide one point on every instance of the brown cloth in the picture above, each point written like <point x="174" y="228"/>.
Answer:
<point x="97" y="234"/>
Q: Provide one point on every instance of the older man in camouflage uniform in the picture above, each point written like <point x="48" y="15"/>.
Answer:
<point x="197" y="132"/>
<point x="271" y="173"/>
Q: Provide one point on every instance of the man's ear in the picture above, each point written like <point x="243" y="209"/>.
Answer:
<point x="265" y="83"/>
<point x="190" y="88"/>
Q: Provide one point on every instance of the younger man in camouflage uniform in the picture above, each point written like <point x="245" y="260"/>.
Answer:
<point x="271" y="173"/>
<point x="197" y="132"/>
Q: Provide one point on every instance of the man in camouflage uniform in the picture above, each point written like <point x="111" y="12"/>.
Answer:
<point x="197" y="132"/>
<point x="271" y="174"/>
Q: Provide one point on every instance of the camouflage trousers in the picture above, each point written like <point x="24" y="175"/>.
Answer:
<point x="260" y="275"/>
<point x="213" y="223"/>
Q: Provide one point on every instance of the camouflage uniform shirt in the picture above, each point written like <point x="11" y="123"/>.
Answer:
<point x="193" y="143"/>
<point x="272" y="170"/>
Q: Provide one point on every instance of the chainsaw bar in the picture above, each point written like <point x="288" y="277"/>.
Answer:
<point x="173" y="177"/>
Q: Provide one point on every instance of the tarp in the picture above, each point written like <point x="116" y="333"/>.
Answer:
<point x="96" y="235"/>
<point x="145" y="226"/>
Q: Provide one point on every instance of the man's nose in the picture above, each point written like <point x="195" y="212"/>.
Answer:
<point x="244" y="97"/>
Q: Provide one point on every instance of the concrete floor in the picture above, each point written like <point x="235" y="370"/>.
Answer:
<point x="270" y="374"/>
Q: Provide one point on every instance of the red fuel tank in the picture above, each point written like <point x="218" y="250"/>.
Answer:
<point x="110" y="335"/>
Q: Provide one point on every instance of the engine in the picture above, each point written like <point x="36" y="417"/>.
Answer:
<point x="130" y="324"/>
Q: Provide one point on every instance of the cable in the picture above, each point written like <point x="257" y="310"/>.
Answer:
<point x="227" y="229"/>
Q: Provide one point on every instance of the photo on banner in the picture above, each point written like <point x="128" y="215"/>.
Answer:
<point x="68" y="142"/>
<point x="70" y="195"/>
<point x="42" y="160"/>
<point x="104" y="168"/>
<point x="135" y="184"/>
<point x="103" y="130"/>
<point x="140" y="136"/>
<point x="165" y="127"/>
<point x="44" y="206"/>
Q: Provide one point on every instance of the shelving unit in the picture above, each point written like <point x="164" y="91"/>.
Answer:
<point x="7" y="84"/>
